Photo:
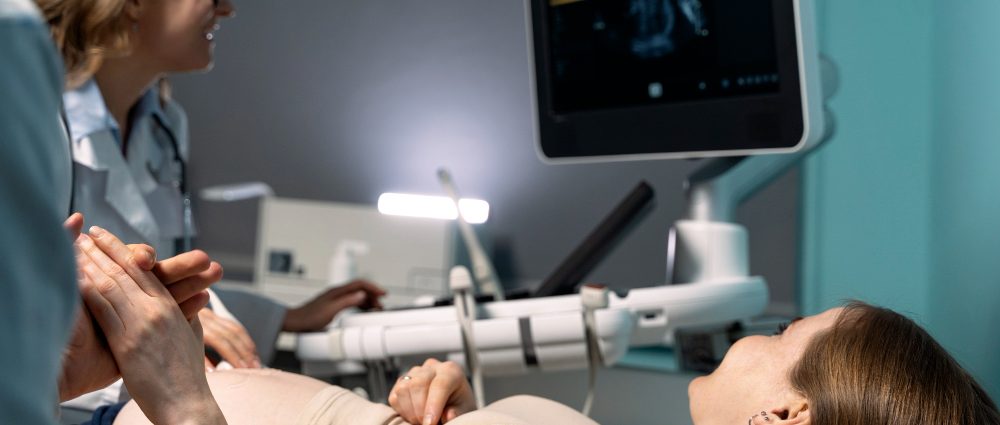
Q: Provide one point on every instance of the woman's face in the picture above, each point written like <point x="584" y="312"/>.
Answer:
<point x="177" y="35"/>
<point x="753" y="378"/>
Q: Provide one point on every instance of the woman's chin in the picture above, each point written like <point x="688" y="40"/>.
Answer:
<point x="696" y="397"/>
<point x="197" y="66"/>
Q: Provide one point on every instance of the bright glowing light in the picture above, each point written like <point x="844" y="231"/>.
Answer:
<point x="474" y="211"/>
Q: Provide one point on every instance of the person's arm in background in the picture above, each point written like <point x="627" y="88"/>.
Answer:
<point x="229" y="339"/>
<point x="37" y="280"/>
<point x="321" y="309"/>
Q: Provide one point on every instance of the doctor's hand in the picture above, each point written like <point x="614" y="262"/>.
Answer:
<point x="320" y="311"/>
<point x="432" y="393"/>
<point x="229" y="339"/>
<point x="158" y="351"/>
<point x="88" y="364"/>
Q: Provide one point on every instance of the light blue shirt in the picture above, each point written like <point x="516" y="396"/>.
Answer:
<point x="37" y="279"/>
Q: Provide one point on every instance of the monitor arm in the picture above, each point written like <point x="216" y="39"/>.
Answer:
<point x="708" y="245"/>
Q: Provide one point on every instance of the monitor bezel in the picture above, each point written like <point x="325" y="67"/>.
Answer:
<point x="693" y="129"/>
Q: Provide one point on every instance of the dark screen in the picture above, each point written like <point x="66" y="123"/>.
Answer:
<point x="620" y="53"/>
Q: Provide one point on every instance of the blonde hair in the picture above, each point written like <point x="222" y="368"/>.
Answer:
<point x="878" y="367"/>
<point x="86" y="32"/>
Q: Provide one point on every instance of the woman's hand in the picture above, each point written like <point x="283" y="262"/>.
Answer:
<point x="186" y="277"/>
<point x="229" y="339"/>
<point x="320" y="311"/>
<point x="432" y="393"/>
<point x="158" y="351"/>
<point x="87" y="364"/>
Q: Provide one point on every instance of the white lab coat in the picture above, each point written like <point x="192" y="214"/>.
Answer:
<point x="37" y="280"/>
<point x="135" y="196"/>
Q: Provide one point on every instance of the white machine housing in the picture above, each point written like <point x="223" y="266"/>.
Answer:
<point x="408" y="256"/>
<point x="513" y="336"/>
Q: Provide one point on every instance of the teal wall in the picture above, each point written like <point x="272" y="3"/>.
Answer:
<point x="965" y="238"/>
<point x="866" y="209"/>
<point x="902" y="207"/>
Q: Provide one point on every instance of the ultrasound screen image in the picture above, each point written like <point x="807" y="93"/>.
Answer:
<point x="621" y="53"/>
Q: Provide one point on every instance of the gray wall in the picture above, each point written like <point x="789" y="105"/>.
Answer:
<point x="344" y="100"/>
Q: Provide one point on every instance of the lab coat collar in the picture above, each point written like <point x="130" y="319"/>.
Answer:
<point x="121" y="191"/>
<point x="91" y="126"/>
<point x="87" y="112"/>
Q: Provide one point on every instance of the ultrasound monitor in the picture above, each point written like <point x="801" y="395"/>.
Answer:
<point x="656" y="79"/>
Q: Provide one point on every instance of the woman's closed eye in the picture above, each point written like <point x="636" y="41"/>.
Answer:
<point x="784" y="326"/>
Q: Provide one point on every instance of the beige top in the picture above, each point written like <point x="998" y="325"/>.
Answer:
<point x="271" y="397"/>
<point x="337" y="406"/>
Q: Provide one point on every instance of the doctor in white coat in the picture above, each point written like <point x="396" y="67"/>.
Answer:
<point x="130" y="147"/>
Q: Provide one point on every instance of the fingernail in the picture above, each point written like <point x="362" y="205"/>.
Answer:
<point x="96" y="231"/>
<point x="428" y="418"/>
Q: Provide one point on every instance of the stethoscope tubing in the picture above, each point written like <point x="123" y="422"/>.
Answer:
<point x="187" y="215"/>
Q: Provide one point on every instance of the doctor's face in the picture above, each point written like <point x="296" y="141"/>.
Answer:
<point x="177" y="35"/>
<point x="754" y="377"/>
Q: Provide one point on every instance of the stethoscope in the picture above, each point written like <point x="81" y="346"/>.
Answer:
<point x="184" y="243"/>
<point x="187" y="218"/>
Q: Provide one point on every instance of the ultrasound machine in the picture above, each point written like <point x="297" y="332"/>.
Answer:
<point x="736" y="81"/>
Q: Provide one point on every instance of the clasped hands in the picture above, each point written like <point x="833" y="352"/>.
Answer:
<point x="139" y="321"/>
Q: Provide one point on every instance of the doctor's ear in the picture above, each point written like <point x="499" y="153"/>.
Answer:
<point x="133" y="8"/>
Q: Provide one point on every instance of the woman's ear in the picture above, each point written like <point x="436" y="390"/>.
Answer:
<point x="133" y="8"/>
<point x="795" y="411"/>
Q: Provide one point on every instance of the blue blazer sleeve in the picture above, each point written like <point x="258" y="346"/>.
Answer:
<point x="37" y="280"/>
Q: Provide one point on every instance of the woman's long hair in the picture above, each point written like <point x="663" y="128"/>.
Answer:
<point x="878" y="367"/>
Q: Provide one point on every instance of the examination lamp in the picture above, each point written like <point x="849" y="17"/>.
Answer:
<point x="475" y="211"/>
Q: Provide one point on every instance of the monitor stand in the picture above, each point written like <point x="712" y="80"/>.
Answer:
<point x="709" y="246"/>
